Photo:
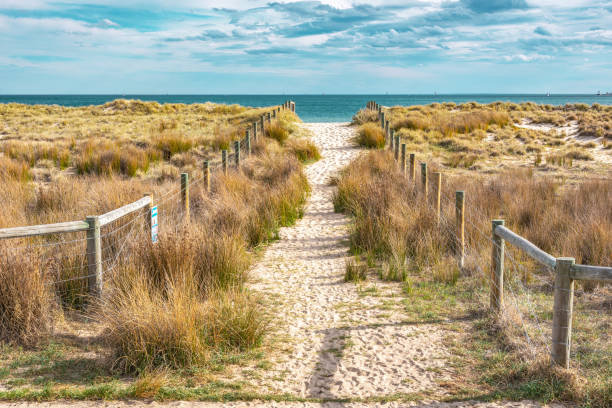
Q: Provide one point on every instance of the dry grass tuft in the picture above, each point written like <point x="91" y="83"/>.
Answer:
<point x="25" y="301"/>
<point x="371" y="135"/>
<point x="277" y="132"/>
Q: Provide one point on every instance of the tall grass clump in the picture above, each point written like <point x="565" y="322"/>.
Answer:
<point x="182" y="301"/>
<point x="25" y="300"/>
<point x="305" y="150"/>
<point x="370" y="135"/>
<point x="12" y="169"/>
<point x="275" y="130"/>
<point x="365" y="116"/>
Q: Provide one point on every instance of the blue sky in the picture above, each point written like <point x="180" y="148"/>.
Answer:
<point x="331" y="46"/>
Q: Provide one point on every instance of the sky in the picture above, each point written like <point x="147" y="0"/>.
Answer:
<point x="305" y="47"/>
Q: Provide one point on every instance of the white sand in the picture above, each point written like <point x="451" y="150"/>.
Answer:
<point x="342" y="344"/>
<point x="337" y="343"/>
<point x="570" y="131"/>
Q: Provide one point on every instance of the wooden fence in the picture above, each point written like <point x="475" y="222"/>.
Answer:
<point x="565" y="269"/>
<point x="92" y="224"/>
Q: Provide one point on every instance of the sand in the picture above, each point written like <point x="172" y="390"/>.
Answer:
<point x="571" y="133"/>
<point x="337" y="339"/>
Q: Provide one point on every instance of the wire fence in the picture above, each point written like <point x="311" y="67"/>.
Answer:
<point x="76" y="266"/>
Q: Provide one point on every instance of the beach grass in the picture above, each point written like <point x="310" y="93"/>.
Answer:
<point x="174" y="312"/>
<point x="395" y="227"/>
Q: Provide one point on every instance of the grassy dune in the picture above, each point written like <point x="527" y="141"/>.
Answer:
<point x="565" y="140"/>
<point x="396" y="236"/>
<point x="173" y="312"/>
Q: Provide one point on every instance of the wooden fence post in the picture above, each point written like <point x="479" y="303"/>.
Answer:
<point x="147" y="213"/>
<point x="274" y="113"/>
<point x="460" y="221"/>
<point x="437" y="185"/>
<point x="263" y="127"/>
<point x="254" y="131"/>
<point x="185" y="194"/>
<point x="391" y="141"/>
<point x="562" y="312"/>
<point x="397" y="147"/>
<point x="94" y="257"/>
<point x="386" y="127"/>
<point x="247" y="140"/>
<point x="497" y="269"/>
<point x="206" y="171"/>
<point x="293" y="107"/>
<point x="269" y="117"/>
<point x="224" y="160"/>
<point x="382" y="120"/>
<point x="412" y="168"/>
<point x="237" y="153"/>
<point x="403" y="161"/>
<point x="424" y="179"/>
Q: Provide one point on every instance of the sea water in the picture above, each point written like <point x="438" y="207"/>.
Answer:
<point x="312" y="108"/>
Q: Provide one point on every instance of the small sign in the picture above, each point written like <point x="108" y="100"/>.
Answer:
<point x="154" y="224"/>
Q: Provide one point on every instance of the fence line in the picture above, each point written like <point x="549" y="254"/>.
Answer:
<point x="566" y="271"/>
<point x="140" y="210"/>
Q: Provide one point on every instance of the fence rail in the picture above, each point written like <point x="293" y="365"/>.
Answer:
<point x="92" y="224"/>
<point x="565" y="269"/>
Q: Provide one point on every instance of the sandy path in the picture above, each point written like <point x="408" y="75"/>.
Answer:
<point x="341" y="343"/>
<point x="336" y="339"/>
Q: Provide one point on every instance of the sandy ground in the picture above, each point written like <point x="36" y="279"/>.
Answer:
<point x="571" y="134"/>
<point x="189" y="404"/>
<point x="337" y="339"/>
<point x="340" y="343"/>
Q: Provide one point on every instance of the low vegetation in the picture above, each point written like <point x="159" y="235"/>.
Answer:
<point x="371" y="135"/>
<point x="486" y="138"/>
<point x="398" y="232"/>
<point x="178" y="306"/>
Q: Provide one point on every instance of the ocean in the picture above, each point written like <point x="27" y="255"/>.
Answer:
<point x="311" y="108"/>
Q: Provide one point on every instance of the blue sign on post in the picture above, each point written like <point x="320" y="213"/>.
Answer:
<point x="154" y="224"/>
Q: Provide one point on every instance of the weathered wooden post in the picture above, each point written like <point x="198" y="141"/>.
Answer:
<point x="391" y="140"/>
<point x="403" y="161"/>
<point x="424" y="180"/>
<point x="147" y="214"/>
<point x="269" y="117"/>
<point x="412" y="167"/>
<point x="274" y="113"/>
<point x="397" y="147"/>
<point x="278" y="109"/>
<point x="263" y="126"/>
<point x="206" y="172"/>
<point x="460" y="221"/>
<point x="293" y="107"/>
<point x="254" y="131"/>
<point x="437" y="185"/>
<point x="94" y="257"/>
<point x="185" y="194"/>
<point x="382" y="120"/>
<point x="237" y="153"/>
<point x="497" y="269"/>
<point x="562" y="312"/>
<point x="247" y="140"/>
<point x="224" y="160"/>
<point x="386" y="127"/>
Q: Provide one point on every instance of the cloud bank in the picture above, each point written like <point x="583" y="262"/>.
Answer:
<point x="189" y="46"/>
